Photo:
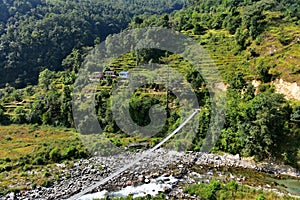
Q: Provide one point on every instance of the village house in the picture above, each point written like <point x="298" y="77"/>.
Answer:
<point x="111" y="74"/>
<point x="97" y="76"/>
<point x="124" y="75"/>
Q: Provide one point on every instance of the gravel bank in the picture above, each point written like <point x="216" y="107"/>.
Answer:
<point x="162" y="162"/>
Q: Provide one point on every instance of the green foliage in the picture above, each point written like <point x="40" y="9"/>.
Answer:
<point x="241" y="37"/>
<point x="139" y="108"/>
<point x="70" y="152"/>
<point x="232" y="21"/>
<point x="45" y="79"/>
<point x="204" y="191"/>
<point x="47" y="174"/>
<point x="198" y="29"/>
<point x="229" y="190"/>
<point x="73" y="25"/>
<point x="19" y="116"/>
<point x="38" y="161"/>
<point x="47" y="183"/>
<point x="255" y="124"/>
<point x="73" y="152"/>
<point x="73" y="61"/>
<point x="4" y="119"/>
<point x="54" y="155"/>
<point x="263" y="71"/>
<point x="261" y="197"/>
<point x="295" y="116"/>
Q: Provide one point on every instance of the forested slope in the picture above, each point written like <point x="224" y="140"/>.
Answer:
<point x="38" y="34"/>
<point x="259" y="38"/>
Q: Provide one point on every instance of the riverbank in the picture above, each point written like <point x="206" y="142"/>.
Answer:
<point x="161" y="162"/>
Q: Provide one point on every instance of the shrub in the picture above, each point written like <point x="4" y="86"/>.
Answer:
<point x="83" y="154"/>
<point x="232" y="185"/>
<point x="23" y="174"/>
<point x="54" y="155"/>
<point x="47" y="174"/>
<point x="70" y="152"/>
<point x="47" y="183"/>
<point x="27" y="167"/>
<point x="8" y="138"/>
<point x="33" y="185"/>
<point x="261" y="197"/>
<point x="38" y="161"/>
<point x="15" y="190"/>
<point x="8" y="168"/>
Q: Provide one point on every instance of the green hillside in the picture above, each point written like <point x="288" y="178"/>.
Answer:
<point x="39" y="34"/>
<point x="44" y="43"/>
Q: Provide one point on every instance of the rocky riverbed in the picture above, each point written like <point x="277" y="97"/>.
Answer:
<point x="185" y="167"/>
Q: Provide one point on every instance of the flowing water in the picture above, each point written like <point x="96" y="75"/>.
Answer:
<point x="205" y="175"/>
<point x="156" y="186"/>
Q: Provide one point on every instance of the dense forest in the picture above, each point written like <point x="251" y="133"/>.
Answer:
<point x="38" y="34"/>
<point x="43" y="44"/>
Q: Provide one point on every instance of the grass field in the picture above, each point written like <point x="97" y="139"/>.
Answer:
<point x="25" y="159"/>
<point x="29" y="154"/>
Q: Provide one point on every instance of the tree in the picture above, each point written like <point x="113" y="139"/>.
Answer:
<point x="43" y="34"/>
<point x="232" y="22"/>
<point x="238" y="82"/>
<point x="253" y="19"/>
<point x="72" y="61"/>
<point x="4" y="119"/>
<point x="295" y="116"/>
<point x="263" y="71"/>
<point x="138" y="20"/>
<point x="195" y="78"/>
<point x="45" y="79"/>
<point x="19" y="116"/>
<point x="198" y="29"/>
<point x="241" y="38"/>
<point x="263" y="124"/>
<point x="66" y="107"/>
<point x="4" y="14"/>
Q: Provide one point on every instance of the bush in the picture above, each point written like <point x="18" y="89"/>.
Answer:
<point x="47" y="174"/>
<point x="27" y="167"/>
<point x="261" y="197"/>
<point x="47" y="183"/>
<point x="232" y="185"/>
<point x="23" y="174"/>
<point x="15" y="190"/>
<point x="8" y="138"/>
<point x="33" y="185"/>
<point x="70" y="152"/>
<point x="38" y="161"/>
<point x="8" y="168"/>
<point x="83" y="154"/>
<point x="54" y="155"/>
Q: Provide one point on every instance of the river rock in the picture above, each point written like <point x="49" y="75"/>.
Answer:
<point x="160" y="162"/>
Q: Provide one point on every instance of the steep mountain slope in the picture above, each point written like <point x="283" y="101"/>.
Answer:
<point x="38" y="34"/>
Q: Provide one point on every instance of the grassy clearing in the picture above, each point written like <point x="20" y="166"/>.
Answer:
<point x="29" y="154"/>
<point x="26" y="159"/>
<point x="19" y="141"/>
